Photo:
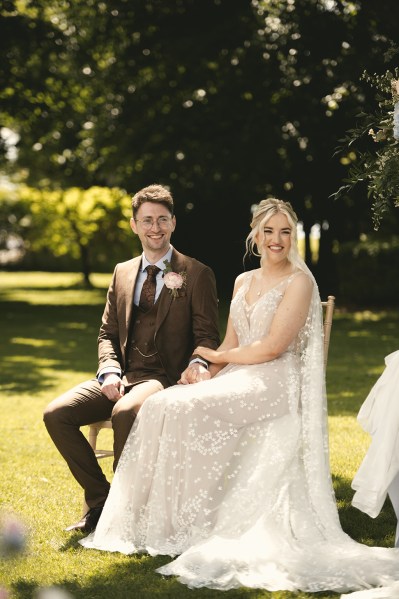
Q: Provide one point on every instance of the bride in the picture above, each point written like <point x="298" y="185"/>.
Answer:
<point x="230" y="476"/>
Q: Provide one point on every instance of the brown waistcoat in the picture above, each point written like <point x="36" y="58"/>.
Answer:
<point x="143" y="361"/>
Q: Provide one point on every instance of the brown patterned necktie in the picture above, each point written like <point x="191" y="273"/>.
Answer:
<point x="147" y="295"/>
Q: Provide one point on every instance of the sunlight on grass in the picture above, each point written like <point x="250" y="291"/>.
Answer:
<point x="75" y="325"/>
<point x="346" y="394"/>
<point x="39" y="362"/>
<point x="53" y="288"/>
<point x="368" y="315"/>
<point x="359" y="334"/>
<point x="348" y="445"/>
<point x="64" y="298"/>
<point x="37" y="280"/>
<point x="377" y="371"/>
<point x="33" y="342"/>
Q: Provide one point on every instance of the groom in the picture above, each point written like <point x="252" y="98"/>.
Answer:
<point x="160" y="306"/>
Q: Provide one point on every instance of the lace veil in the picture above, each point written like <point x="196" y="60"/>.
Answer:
<point x="315" y="443"/>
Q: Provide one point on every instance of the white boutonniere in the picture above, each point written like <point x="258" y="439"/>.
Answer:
<point x="173" y="280"/>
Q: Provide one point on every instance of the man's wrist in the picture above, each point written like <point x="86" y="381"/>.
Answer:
<point x="108" y="370"/>
<point x="199" y="360"/>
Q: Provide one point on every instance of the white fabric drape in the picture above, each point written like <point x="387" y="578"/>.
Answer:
<point x="379" y="416"/>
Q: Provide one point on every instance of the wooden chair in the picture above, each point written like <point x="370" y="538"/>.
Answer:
<point x="94" y="429"/>
<point x="328" y="307"/>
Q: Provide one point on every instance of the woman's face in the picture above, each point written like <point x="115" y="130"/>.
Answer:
<point x="274" y="238"/>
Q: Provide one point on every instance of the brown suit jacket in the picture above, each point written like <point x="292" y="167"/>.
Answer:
<point x="182" y="323"/>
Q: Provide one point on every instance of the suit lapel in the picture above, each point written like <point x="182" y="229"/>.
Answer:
<point x="177" y="263"/>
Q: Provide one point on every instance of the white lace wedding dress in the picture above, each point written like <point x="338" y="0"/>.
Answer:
<point x="232" y="475"/>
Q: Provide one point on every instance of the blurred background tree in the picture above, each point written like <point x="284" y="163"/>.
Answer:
<point x="224" y="102"/>
<point x="86" y="225"/>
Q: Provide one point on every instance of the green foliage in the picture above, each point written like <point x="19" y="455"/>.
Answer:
<point x="372" y="151"/>
<point x="12" y="217"/>
<point x="88" y="225"/>
<point x="49" y="330"/>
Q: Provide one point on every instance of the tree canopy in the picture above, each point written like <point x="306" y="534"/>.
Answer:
<point x="224" y="102"/>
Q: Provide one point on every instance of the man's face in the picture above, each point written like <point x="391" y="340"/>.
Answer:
<point x="154" y="225"/>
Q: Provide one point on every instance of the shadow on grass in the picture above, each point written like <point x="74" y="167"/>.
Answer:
<point x="135" y="578"/>
<point x="376" y="532"/>
<point x="39" y="340"/>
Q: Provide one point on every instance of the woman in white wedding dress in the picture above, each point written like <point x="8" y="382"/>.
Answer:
<point x="231" y="474"/>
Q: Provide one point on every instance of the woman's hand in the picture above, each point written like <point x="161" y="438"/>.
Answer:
<point x="211" y="355"/>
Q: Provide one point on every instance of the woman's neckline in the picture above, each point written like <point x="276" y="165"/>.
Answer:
<point x="259" y="297"/>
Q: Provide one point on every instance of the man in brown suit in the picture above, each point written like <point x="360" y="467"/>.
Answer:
<point x="153" y="319"/>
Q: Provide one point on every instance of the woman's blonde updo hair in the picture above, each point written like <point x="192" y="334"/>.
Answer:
<point x="262" y="213"/>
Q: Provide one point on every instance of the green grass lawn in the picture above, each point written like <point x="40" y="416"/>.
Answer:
<point x="49" y="328"/>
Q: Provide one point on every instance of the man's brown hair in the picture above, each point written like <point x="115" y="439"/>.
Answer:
<point x="157" y="194"/>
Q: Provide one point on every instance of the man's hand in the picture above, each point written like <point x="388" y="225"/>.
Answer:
<point x="193" y="374"/>
<point x="112" y="387"/>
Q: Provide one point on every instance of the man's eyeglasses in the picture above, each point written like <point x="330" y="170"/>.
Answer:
<point x="148" y="222"/>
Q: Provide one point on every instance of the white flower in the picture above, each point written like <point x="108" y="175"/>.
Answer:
<point x="174" y="281"/>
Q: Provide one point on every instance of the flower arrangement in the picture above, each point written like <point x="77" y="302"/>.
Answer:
<point x="173" y="280"/>
<point x="377" y="164"/>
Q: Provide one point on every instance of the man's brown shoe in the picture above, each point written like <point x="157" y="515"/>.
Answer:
<point x="89" y="521"/>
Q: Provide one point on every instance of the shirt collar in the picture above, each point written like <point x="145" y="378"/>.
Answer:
<point x="160" y="263"/>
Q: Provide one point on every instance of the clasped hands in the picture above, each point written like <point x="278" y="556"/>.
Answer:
<point x="196" y="372"/>
<point x="114" y="389"/>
